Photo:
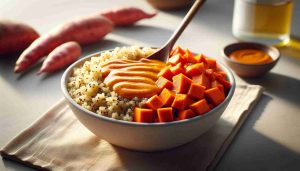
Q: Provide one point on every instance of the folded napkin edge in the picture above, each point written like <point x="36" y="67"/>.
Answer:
<point x="236" y="129"/>
<point x="23" y="162"/>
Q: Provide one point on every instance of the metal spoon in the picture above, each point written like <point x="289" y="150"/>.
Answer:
<point x="162" y="54"/>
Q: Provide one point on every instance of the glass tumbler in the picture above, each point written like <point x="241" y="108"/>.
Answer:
<point x="263" y="21"/>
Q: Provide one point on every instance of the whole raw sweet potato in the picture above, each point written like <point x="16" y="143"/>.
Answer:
<point x="126" y="16"/>
<point x="83" y="30"/>
<point x="15" y="36"/>
<point x="61" y="57"/>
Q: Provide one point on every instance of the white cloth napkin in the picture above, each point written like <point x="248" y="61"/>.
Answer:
<point x="58" y="141"/>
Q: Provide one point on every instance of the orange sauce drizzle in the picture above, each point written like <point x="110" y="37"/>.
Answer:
<point x="130" y="78"/>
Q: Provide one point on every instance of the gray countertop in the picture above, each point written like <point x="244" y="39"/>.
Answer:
<point x="270" y="137"/>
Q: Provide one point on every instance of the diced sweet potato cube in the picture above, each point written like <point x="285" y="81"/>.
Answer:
<point x="166" y="73"/>
<point x="203" y="59"/>
<point x="165" y="114"/>
<point x="224" y="82"/>
<point x="203" y="80"/>
<point x="200" y="107"/>
<point x="198" y="58"/>
<point x="155" y="116"/>
<point x="212" y="64"/>
<point x="174" y="60"/>
<point x="217" y="74"/>
<point x="180" y="101"/>
<point x="195" y="69"/>
<point x="222" y="74"/>
<point x="176" y="119"/>
<point x="215" y="83"/>
<point x="167" y="97"/>
<point x="186" y="65"/>
<point x="215" y="95"/>
<point x="177" y="50"/>
<point x="154" y="102"/>
<point x="143" y="115"/>
<point x="181" y="83"/>
<point x="177" y="69"/>
<point x="211" y="106"/>
<point x="210" y="74"/>
<point x="188" y="55"/>
<point x="186" y="114"/>
<point x="196" y="91"/>
<point x="162" y="83"/>
<point x="189" y="101"/>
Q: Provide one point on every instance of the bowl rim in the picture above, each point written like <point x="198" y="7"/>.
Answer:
<point x="271" y="48"/>
<point x="66" y="94"/>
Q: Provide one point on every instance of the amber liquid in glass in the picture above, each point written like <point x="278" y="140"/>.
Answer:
<point x="262" y="21"/>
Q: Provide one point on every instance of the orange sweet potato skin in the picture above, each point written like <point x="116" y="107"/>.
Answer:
<point x="61" y="56"/>
<point x="126" y="16"/>
<point x="15" y="37"/>
<point x="82" y="30"/>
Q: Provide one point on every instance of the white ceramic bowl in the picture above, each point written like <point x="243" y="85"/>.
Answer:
<point x="145" y="136"/>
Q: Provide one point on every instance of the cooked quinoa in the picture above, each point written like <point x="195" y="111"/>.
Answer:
<point x="86" y="86"/>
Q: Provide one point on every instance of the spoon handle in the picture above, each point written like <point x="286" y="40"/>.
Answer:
<point x="188" y="17"/>
<point x="162" y="54"/>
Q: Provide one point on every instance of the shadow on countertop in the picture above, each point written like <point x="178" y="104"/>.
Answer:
<point x="278" y="85"/>
<point x="262" y="152"/>
<point x="101" y="45"/>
